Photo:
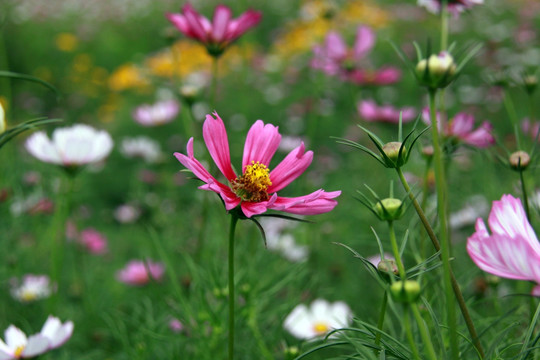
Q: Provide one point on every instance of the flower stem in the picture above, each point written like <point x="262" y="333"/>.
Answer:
<point x="444" y="25"/>
<point x="443" y="226"/>
<point x="395" y="250"/>
<point x="423" y="332"/>
<point x="234" y="221"/>
<point x="213" y="85"/>
<point x="455" y="286"/>
<point x="408" y="330"/>
<point x="525" y="197"/>
<point x="380" y="323"/>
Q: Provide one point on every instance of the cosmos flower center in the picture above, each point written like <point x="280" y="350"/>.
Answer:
<point x="29" y="295"/>
<point x="252" y="186"/>
<point x="18" y="351"/>
<point x="320" y="328"/>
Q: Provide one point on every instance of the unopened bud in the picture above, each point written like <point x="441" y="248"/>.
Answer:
<point x="437" y="71"/>
<point x="291" y="352"/>
<point x="392" y="151"/>
<point x="389" y="209"/>
<point x="530" y="82"/>
<point x="407" y="291"/>
<point x="519" y="160"/>
<point x="428" y="151"/>
<point x="2" y="119"/>
<point x="388" y="266"/>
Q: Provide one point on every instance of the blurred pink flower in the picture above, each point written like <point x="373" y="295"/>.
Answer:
<point x="370" y="111"/>
<point x="159" y="113"/>
<point x="93" y="241"/>
<point x="530" y="128"/>
<point x="512" y="250"/>
<point x="176" y="325"/>
<point x="454" y="6"/>
<point x="256" y="189"/>
<point x="334" y="58"/>
<point x="70" y="146"/>
<point x="461" y="126"/>
<point x="136" y="272"/>
<point x="217" y="34"/>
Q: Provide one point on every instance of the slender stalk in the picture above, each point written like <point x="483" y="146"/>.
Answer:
<point x="213" y="85"/>
<point x="455" y="286"/>
<point x="442" y="216"/>
<point x="409" y="333"/>
<point x="444" y="25"/>
<point x="430" y="351"/>
<point x="395" y="250"/>
<point x="234" y="221"/>
<point x="524" y="195"/>
<point x="380" y="323"/>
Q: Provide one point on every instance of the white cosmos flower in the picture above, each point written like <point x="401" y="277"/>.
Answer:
<point x="71" y="146"/>
<point x="318" y="319"/>
<point x="32" y="288"/>
<point x="56" y="332"/>
<point x="160" y="113"/>
<point x="142" y="147"/>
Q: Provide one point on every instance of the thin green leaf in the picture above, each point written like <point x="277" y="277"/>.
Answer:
<point x="29" y="78"/>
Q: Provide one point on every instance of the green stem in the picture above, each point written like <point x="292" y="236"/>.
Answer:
<point x="395" y="250"/>
<point x="213" y="85"/>
<point x="234" y="221"/>
<point x="524" y="195"/>
<point x="380" y="323"/>
<point x="410" y="337"/>
<point x="430" y="351"/>
<point x="444" y="25"/>
<point x="455" y="286"/>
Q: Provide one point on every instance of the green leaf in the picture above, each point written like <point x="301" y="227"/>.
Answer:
<point x="30" y="78"/>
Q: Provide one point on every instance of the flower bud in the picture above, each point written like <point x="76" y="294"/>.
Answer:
<point x="291" y="352"/>
<point x="519" y="160"/>
<point x="389" y="209"/>
<point x="391" y="150"/>
<point x="437" y="71"/>
<point x="427" y="151"/>
<point x="407" y="291"/>
<point x="530" y="82"/>
<point x="2" y="119"/>
<point x="388" y="266"/>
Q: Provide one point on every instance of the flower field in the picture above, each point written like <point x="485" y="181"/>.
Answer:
<point x="307" y="179"/>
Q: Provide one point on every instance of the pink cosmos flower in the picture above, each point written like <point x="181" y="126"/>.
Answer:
<point x="255" y="190"/>
<point x="136" y="272"/>
<point x="217" y="34"/>
<point x="531" y="128"/>
<point x="162" y="112"/>
<point x="334" y="58"/>
<point x="454" y="6"/>
<point x="460" y="127"/>
<point x="370" y="111"/>
<point x="512" y="250"/>
<point x="93" y="241"/>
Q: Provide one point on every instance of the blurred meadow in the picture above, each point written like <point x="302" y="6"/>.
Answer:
<point x="80" y="228"/>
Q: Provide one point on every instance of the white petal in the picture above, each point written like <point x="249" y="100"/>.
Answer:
<point x="15" y="337"/>
<point x="37" y="344"/>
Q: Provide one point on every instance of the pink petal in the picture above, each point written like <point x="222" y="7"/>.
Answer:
<point x="215" y="137"/>
<point x="335" y="46"/>
<point x="387" y="76"/>
<point x="318" y="202"/>
<point x="365" y="39"/>
<point x="368" y="110"/>
<point x="222" y="16"/>
<point x="196" y="27"/>
<point x="243" y="23"/>
<point x="261" y="144"/>
<point x="461" y="124"/>
<point x="481" y="137"/>
<point x="294" y="164"/>
<point x="179" y="21"/>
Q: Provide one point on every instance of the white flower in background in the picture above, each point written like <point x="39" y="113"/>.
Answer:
<point x="287" y="246"/>
<point x="32" y="288"/>
<point x="71" y="146"/>
<point x="476" y="207"/>
<point x="318" y="319"/>
<point x="141" y="146"/>
<point x="127" y="213"/>
<point x="17" y="345"/>
<point x="376" y="259"/>
<point x="160" y="113"/>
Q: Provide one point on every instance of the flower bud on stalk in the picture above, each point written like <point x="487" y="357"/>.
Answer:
<point x="530" y="82"/>
<point x="396" y="153"/>
<point x="519" y="160"/>
<point x="407" y="291"/>
<point x="437" y="71"/>
<point x="389" y="209"/>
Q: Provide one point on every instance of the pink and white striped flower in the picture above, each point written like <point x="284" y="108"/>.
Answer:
<point x="256" y="189"/>
<point x="370" y="111"/>
<point x="512" y="249"/>
<point x="461" y="128"/>
<point x="217" y="34"/>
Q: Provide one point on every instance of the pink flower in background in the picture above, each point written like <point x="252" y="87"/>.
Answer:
<point x="93" y="241"/>
<point x="70" y="146"/>
<point x="217" y="34"/>
<point x="255" y="190"/>
<point x="370" y="111"/>
<point x="461" y="127"/>
<point x="512" y="250"/>
<point x="176" y="325"/>
<point x="530" y="128"/>
<point x="334" y="58"/>
<point x="136" y="272"/>
<point x="162" y="112"/>
<point x="454" y="6"/>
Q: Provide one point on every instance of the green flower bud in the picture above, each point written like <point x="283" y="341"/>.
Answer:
<point x="2" y="119"/>
<point x="389" y="209"/>
<point x="407" y="291"/>
<point x="291" y="352"/>
<point x="387" y="266"/>
<point x="519" y="160"/>
<point x="391" y="150"/>
<point x="530" y="82"/>
<point x="437" y="71"/>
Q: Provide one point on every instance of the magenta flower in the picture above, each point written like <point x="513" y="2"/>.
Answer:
<point x="139" y="273"/>
<point x="530" y="128"/>
<point x="255" y="190"/>
<point x="93" y="241"/>
<point x="512" y="250"/>
<point x="461" y="128"/>
<point x="334" y="58"/>
<point x="219" y="33"/>
<point x="454" y="6"/>
<point x="370" y="111"/>
<point x="162" y="112"/>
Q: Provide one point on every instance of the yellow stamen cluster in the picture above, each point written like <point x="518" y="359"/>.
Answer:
<point x="320" y="328"/>
<point x="253" y="184"/>
<point x="18" y="351"/>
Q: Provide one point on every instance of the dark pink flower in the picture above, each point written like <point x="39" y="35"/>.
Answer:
<point x="217" y="34"/>
<point x="454" y="6"/>
<point x="137" y="272"/>
<point x="334" y="58"/>
<point x="370" y="111"/>
<point x="512" y="250"/>
<point x="461" y="128"/>
<point x="255" y="190"/>
<point x="93" y="241"/>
